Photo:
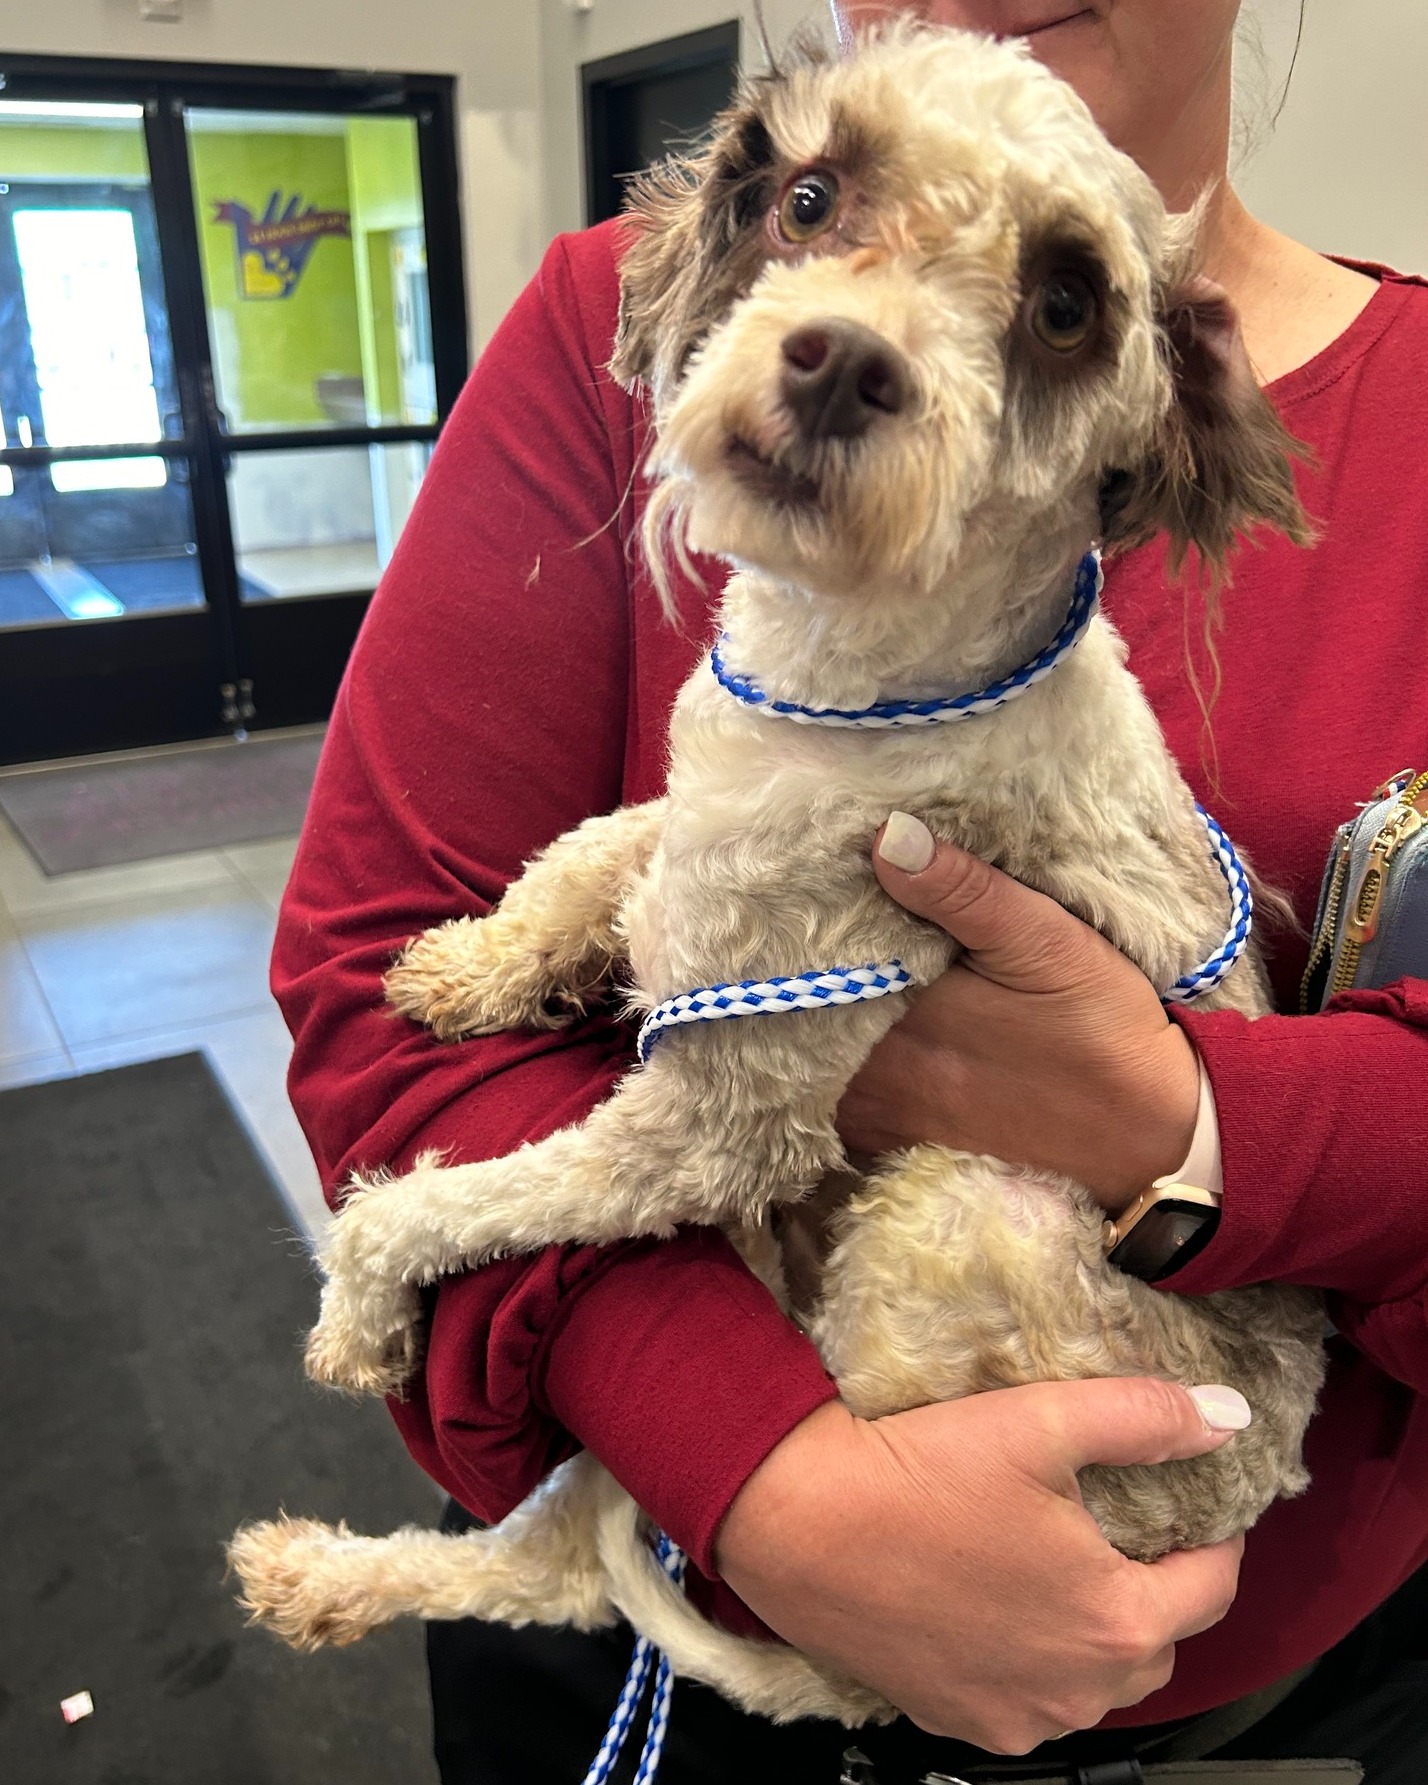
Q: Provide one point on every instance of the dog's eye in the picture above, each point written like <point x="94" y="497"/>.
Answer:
<point x="1063" y="311"/>
<point x="808" y="207"/>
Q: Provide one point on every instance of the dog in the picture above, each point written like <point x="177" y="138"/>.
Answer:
<point x="916" y="335"/>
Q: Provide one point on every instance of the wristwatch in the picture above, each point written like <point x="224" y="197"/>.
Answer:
<point x="1162" y="1229"/>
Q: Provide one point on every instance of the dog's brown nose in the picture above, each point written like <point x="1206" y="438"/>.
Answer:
<point x="839" y="377"/>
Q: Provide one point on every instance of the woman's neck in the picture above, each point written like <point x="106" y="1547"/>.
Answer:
<point x="1292" y="303"/>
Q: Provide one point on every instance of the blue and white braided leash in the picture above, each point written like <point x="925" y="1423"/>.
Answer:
<point x="672" y="1559"/>
<point x="1210" y="972"/>
<point x="854" y="985"/>
<point x="884" y="714"/>
<point x="767" y="997"/>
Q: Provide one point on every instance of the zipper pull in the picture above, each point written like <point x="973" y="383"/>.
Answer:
<point x="1402" y="823"/>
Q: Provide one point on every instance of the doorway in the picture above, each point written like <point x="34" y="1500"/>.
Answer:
<point x="232" y="322"/>
<point x="643" y="105"/>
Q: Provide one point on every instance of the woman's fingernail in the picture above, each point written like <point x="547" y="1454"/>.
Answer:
<point x="1222" y="1409"/>
<point x="906" y="843"/>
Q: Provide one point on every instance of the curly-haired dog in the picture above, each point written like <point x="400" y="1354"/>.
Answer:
<point x="916" y="337"/>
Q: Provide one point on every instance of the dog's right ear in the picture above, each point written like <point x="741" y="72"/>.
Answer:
<point x="697" y="223"/>
<point x="1221" y="462"/>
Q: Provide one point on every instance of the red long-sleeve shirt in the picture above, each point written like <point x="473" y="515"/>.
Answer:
<point x="515" y="675"/>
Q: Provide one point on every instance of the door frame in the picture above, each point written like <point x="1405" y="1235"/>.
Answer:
<point x="94" y="685"/>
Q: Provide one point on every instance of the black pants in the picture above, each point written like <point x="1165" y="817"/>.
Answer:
<point x="529" y="1707"/>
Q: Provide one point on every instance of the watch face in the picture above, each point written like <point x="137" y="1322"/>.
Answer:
<point x="1165" y="1237"/>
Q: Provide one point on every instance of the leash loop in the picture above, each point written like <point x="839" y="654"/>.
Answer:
<point x="1213" y="970"/>
<point x="768" y="997"/>
<point x="672" y="1559"/>
<point x="855" y="985"/>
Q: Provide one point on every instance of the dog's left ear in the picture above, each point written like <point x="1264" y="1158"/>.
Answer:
<point x="1221" y="462"/>
<point x="698" y="243"/>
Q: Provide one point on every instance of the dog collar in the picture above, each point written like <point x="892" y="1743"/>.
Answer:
<point x="885" y="714"/>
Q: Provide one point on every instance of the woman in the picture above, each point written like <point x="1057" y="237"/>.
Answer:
<point x="511" y="679"/>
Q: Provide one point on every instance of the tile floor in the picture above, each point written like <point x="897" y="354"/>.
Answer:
<point x="114" y="965"/>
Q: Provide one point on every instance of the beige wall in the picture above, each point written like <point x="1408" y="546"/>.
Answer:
<point x="491" y="45"/>
<point x="1346" y="169"/>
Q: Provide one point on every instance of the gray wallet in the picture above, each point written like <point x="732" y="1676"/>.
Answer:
<point x="1372" y="922"/>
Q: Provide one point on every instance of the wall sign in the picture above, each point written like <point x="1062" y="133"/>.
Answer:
<point x="274" y="249"/>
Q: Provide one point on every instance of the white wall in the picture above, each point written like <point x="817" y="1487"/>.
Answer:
<point x="1346" y="169"/>
<point x="491" y="45"/>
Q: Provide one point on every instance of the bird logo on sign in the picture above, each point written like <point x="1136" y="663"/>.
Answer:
<point x="274" y="249"/>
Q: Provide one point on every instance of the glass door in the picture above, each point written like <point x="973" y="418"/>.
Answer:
<point x="223" y="363"/>
<point x="97" y="519"/>
<point x="312" y="234"/>
<point x="86" y="360"/>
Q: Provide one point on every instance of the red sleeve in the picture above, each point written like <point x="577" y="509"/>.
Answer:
<point x="485" y="711"/>
<point x="1321" y="1126"/>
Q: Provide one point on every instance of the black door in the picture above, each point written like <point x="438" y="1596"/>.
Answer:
<point x="223" y="362"/>
<point x="643" y="105"/>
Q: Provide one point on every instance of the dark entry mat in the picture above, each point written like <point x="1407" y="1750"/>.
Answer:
<point x="151" y="1304"/>
<point x="94" y="815"/>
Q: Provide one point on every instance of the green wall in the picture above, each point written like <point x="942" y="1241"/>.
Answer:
<point x="382" y="173"/>
<point x="384" y="179"/>
<point x="269" y="352"/>
<point x="49" y="151"/>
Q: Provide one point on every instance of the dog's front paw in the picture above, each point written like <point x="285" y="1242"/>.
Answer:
<point x="473" y="977"/>
<point x="293" y="1583"/>
<point x="367" y="1340"/>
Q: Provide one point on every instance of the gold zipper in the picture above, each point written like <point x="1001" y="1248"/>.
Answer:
<point x="1324" y="939"/>
<point x="1344" y="972"/>
<point x="1410" y="794"/>
<point x="1361" y="923"/>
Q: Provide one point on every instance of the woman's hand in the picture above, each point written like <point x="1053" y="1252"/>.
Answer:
<point x="943" y="1556"/>
<point x="1043" y="1045"/>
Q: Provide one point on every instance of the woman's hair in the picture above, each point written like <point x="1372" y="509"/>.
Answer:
<point x="1260" y="94"/>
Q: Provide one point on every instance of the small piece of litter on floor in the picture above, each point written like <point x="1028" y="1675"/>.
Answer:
<point x="76" y="1708"/>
